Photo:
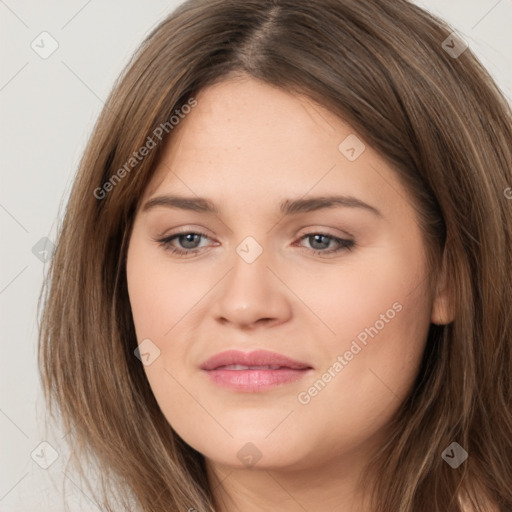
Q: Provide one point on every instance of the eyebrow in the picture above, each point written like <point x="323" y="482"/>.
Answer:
<point x="287" y="207"/>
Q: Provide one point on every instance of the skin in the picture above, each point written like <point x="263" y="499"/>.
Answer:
<point x="247" y="146"/>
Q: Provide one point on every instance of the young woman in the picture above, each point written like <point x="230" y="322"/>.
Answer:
<point x="283" y="277"/>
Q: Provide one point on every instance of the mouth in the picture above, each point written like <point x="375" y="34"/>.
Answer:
<point x="255" y="371"/>
<point x="244" y="367"/>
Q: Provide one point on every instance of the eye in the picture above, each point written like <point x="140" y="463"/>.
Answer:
<point x="189" y="240"/>
<point x="323" y="240"/>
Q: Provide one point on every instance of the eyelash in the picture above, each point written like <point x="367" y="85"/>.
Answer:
<point x="344" y="244"/>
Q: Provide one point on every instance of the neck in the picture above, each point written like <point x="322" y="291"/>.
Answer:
<point x="330" y="486"/>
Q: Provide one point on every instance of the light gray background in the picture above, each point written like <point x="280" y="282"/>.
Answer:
<point x="48" y="108"/>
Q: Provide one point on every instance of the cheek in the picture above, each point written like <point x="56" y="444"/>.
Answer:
<point x="376" y="297"/>
<point x="159" y="296"/>
<point x="378" y="314"/>
<point x="371" y="363"/>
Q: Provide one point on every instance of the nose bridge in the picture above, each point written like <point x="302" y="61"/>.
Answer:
<point x="251" y="292"/>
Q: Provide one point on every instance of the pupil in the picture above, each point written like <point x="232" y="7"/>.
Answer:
<point x="316" y="237"/>
<point x="189" y="240"/>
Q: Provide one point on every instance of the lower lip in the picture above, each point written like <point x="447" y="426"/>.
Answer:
<point x="255" y="380"/>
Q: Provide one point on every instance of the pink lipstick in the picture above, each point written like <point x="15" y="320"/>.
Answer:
<point x="259" y="370"/>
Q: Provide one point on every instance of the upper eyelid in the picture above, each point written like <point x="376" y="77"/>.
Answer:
<point x="305" y="231"/>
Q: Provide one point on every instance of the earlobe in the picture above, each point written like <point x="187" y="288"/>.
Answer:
<point x="443" y="310"/>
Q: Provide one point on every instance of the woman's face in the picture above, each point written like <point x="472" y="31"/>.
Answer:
<point x="267" y="272"/>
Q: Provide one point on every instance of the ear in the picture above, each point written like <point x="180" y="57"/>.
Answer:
<point x="443" y="308"/>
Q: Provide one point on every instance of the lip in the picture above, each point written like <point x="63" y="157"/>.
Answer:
<point x="253" y="380"/>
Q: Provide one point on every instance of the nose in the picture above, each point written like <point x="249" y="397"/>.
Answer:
<point x="253" y="294"/>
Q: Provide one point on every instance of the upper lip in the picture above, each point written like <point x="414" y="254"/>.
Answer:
<point x="255" y="358"/>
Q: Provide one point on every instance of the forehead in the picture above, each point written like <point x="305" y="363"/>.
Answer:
<point x="249" y="139"/>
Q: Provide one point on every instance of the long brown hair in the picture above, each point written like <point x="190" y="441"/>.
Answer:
<point x="437" y="117"/>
